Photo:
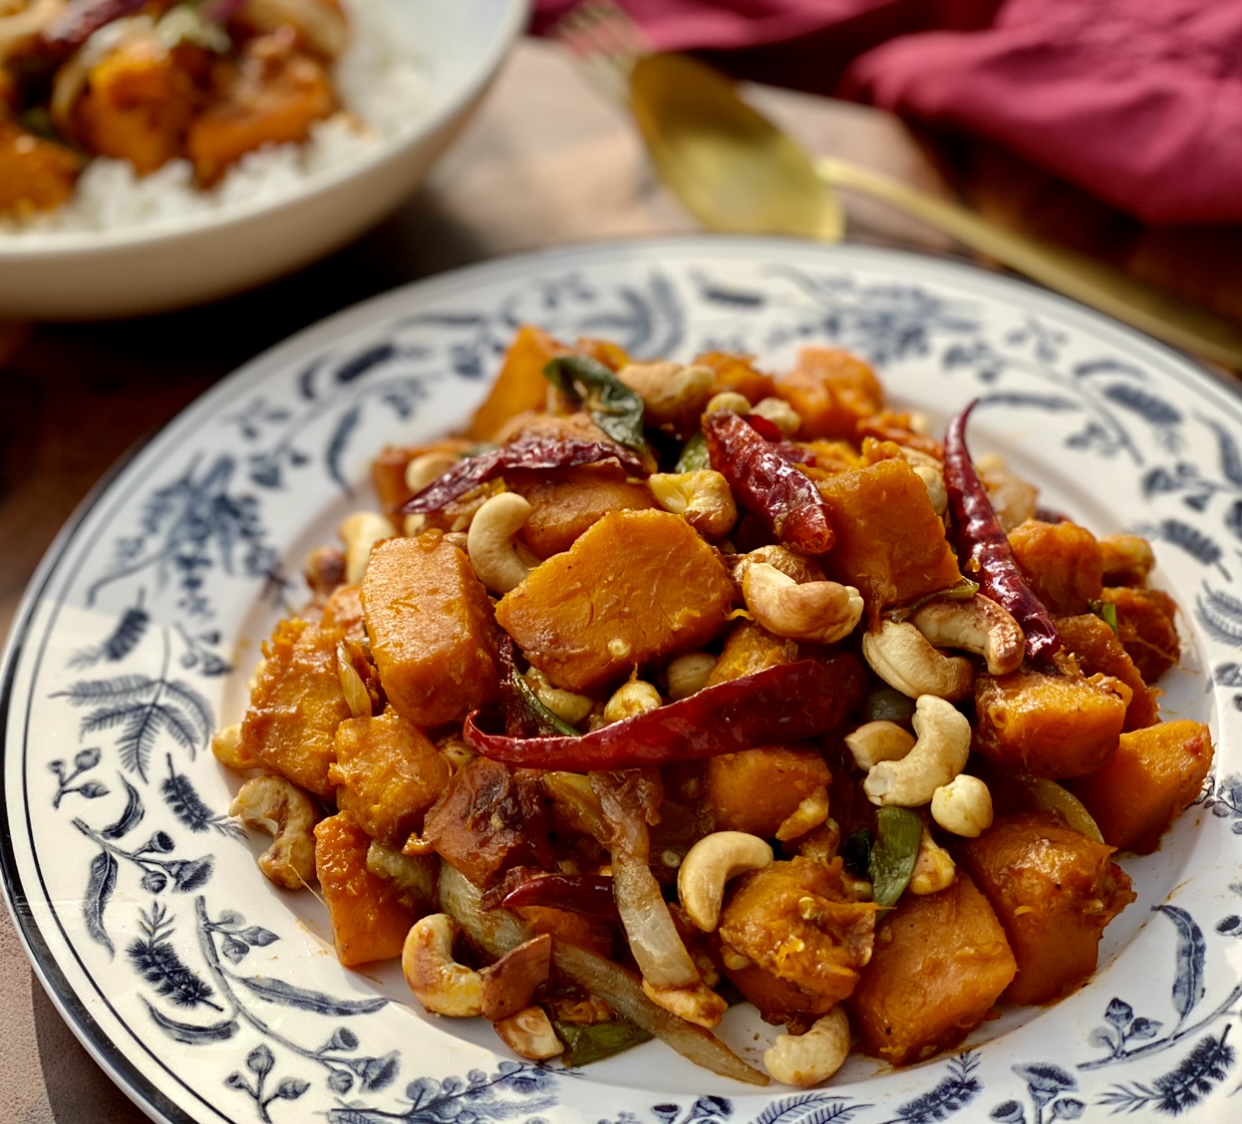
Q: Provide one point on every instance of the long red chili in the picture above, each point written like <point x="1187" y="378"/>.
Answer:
<point x="984" y="548"/>
<point x="779" y="704"/>
<point x="526" y="452"/>
<point x="767" y="484"/>
<point x="589" y="894"/>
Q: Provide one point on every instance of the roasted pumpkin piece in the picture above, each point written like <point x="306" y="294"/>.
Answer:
<point x="566" y="501"/>
<point x="490" y="818"/>
<point x="1048" y="725"/>
<point x="272" y="94"/>
<point x="738" y="374"/>
<point x="1099" y="651"/>
<point x="430" y="623"/>
<point x="35" y="174"/>
<point x="778" y="1001"/>
<point x="1146" y="628"/>
<point x="832" y="390"/>
<point x="1061" y="562"/>
<point x="749" y="648"/>
<point x="635" y="586"/>
<point x="1138" y="792"/>
<point x="940" y="963"/>
<point x="520" y="385"/>
<point x="795" y="920"/>
<point x="138" y="102"/>
<point x="890" y="543"/>
<point x="297" y="704"/>
<point x="595" y="933"/>
<point x="756" y="790"/>
<point x="388" y="774"/>
<point x="369" y="922"/>
<point x="1054" y="890"/>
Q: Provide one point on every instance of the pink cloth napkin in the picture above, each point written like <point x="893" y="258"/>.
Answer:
<point x="1137" y="101"/>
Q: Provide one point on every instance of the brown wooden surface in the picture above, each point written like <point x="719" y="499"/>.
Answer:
<point x="548" y="161"/>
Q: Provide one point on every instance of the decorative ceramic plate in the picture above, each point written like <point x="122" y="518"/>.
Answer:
<point x="211" y="996"/>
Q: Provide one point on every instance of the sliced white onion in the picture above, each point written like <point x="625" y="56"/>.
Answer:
<point x="649" y="927"/>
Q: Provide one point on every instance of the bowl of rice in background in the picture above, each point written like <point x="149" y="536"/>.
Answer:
<point x="414" y="72"/>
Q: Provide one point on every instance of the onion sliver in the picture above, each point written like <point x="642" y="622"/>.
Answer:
<point x="657" y="946"/>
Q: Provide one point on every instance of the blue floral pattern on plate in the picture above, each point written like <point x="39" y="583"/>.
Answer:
<point x="215" y="996"/>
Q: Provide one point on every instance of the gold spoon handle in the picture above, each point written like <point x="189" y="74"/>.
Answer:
<point x="1156" y="312"/>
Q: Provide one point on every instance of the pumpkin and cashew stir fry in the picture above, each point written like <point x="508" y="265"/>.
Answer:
<point x="664" y="687"/>
<point x="150" y="81"/>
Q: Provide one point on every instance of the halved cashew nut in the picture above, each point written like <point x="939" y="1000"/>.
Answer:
<point x="286" y="813"/>
<point x="360" y="532"/>
<point x="630" y="700"/>
<point x="1127" y="556"/>
<point x="696" y="1004"/>
<point x="490" y="545"/>
<point x="934" y="868"/>
<point x="811" y="811"/>
<point x="668" y="390"/>
<point x="780" y="413"/>
<point x="878" y="741"/>
<point x="688" y="674"/>
<point x="820" y="612"/>
<point x="702" y="497"/>
<point x="933" y="481"/>
<point x="441" y="984"/>
<point x="807" y="1059"/>
<point x="529" y="1034"/>
<point x="709" y="865"/>
<point x="796" y="566"/>
<point x="974" y="624"/>
<point x="963" y="806"/>
<point x="900" y="655"/>
<point x="938" y="756"/>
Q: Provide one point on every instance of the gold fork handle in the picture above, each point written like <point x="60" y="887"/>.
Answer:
<point x="1119" y="295"/>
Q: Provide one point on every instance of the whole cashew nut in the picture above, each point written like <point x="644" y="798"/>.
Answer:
<point x="931" y="471"/>
<point x="976" y="624"/>
<point x="668" y="390"/>
<point x="709" y="865"/>
<point x="278" y="807"/>
<point x="442" y="985"/>
<point x="938" y="756"/>
<point x="529" y="1034"/>
<point x="934" y="868"/>
<point x="489" y="542"/>
<point x="878" y="741"/>
<point x="963" y="806"/>
<point x="900" y="655"/>
<point x="702" y="496"/>
<point x="807" y="1059"/>
<point x="697" y="1003"/>
<point x="796" y="566"/>
<point x="819" y="612"/>
<point x="421" y="471"/>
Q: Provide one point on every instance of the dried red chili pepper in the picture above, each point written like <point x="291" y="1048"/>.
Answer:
<point x="531" y="451"/>
<point x="767" y="484"/>
<point x="984" y="548"/>
<point x="787" y="449"/>
<point x="589" y="894"/>
<point x="779" y="704"/>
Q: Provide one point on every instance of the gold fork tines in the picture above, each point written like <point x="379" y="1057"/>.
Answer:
<point x="606" y="41"/>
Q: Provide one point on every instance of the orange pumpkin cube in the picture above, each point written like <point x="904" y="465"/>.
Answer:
<point x="738" y="374"/>
<point x="1154" y="773"/>
<point x="1048" y="725"/>
<point x="750" y="648"/>
<point x="756" y="790"/>
<point x="635" y="586"/>
<point x="1098" y="651"/>
<point x="520" y="385"/>
<point x="1053" y="890"/>
<point x="388" y="774"/>
<point x="368" y="920"/>
<point x="1146" y="628"/>
<point x="832" y="390"/>
<point x="297" y="704"/>
<point x="1061" y="562"/>
<point x="566" y="501"/>
<point x="890" y="543"/>
<point x="430" y="623"/>
<point x="940" y="963"/>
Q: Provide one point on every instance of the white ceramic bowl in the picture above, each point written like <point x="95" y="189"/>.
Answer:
<point x="171" y="263"/>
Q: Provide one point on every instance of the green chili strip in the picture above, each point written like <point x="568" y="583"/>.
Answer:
<point x="898" y="831"/>
<point x="592" y="1042"/>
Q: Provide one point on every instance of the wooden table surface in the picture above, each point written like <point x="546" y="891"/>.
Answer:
<point x="548" y="160"/>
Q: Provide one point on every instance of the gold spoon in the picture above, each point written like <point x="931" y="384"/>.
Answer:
<point x="736" y="171"/>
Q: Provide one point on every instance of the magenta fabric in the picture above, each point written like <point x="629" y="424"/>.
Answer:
<point x="1137" y="101"/>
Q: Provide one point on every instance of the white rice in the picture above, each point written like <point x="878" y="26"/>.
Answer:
<point x="381" y="88"/>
